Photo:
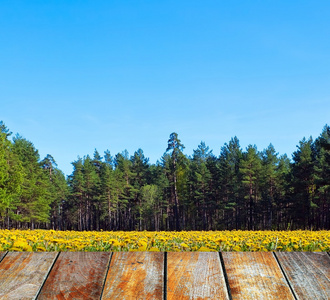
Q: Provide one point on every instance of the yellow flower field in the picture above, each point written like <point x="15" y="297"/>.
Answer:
<point x="50" y="240"/>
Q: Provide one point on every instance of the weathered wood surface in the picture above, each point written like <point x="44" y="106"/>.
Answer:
<point x="135" y="275"/>
<point x="157" y="275"/>
<point x="308" y="273"/>
<point x="2" y="254"/>
<point x="255" y="275"/>
<point x="195" y="275"/>
<point x="76" y="275"/>
<point x="23" y="273"/>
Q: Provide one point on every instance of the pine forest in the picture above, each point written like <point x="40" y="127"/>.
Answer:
<point x="239" y="189"/>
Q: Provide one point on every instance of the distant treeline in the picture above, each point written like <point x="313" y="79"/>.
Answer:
<point x="240" y="189"/>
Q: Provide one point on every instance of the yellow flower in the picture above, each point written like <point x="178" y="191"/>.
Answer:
<point x="205" y="249"/>
<point x="154" y="249"/>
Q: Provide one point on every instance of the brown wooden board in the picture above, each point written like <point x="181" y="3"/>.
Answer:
<point x="135" y="275"/>
<point x="2" y="254"/>
<point x="195" y="275"/>
<point x="76" y="275"/>
<point x="23" y="273"/>
<point x="308" y="273"/>
<point x="255" y="275"/>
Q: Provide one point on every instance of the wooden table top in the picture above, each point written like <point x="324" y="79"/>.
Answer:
<point x="159" y="275"/>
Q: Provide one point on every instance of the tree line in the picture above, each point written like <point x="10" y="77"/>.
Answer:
<point x="239" y="189"/>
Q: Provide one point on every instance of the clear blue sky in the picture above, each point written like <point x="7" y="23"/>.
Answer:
<point x="80" y="75"/>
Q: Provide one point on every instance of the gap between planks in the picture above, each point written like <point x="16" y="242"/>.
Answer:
<point x="307" y="272"/>
<point x="165" y="276"/>
<point x="225" y="276"/>
<point x="285" y="276"/>
<point x="50" y="269"/>
<point x="106" y="276"/>
<point x="2" y="255"/>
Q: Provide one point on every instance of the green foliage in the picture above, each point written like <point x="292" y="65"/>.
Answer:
<point x="34" y="204"/>
<point x="303" y="182"/>
<point x="229" y="180"/>
<point x="11" y="178"/>
<point x="248" y="189"/>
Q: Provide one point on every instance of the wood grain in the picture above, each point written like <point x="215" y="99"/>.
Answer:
<point x="23" y="273"/>
<point x="2" y="254"/>
<point x="76" y="275"/>
<point x="195" y="275"/>
<point x="308" y="273"/>
<point x="255" y="275"/>
<point x="135" y="275"/>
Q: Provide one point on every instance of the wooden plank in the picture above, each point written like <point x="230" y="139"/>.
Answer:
<point x="195" y="275"/>
<point x="308" y="273"/>
<point x="135" y="275"/>
<point x="23" y="273"/>
<point x="2" y="254"/>
<point x="76" y="275"/>
<point x="255" y="275"/>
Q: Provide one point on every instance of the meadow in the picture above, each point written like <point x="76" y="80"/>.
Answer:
<point x="51" y="240"/>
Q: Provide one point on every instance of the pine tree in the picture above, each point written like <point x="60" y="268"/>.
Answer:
<point x="34" y="206"/>
<point x="200" y="180"/>
<point x="108" y="194"/>
<point x="303" y="183"/>
<point x="126" y="190"/>
<point x="75" y="208"/>
<point x="268" y="185"/>
<point x="250" y="168"/>
<point x="140" y="171"/>
<point x="150" y="207"/>
<point x="322" y="179"/>
<point x="57" y="190"/>
<point x="283" y="185"/>
<point x="175" y="147"/>
<point x="158" y="176"/>
<point x="96" y="207"/>
<point x="230" y="184"/>
<point x="11" y="178"/>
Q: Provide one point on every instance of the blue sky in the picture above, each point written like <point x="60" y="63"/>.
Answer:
<point x="80" y="75"/>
